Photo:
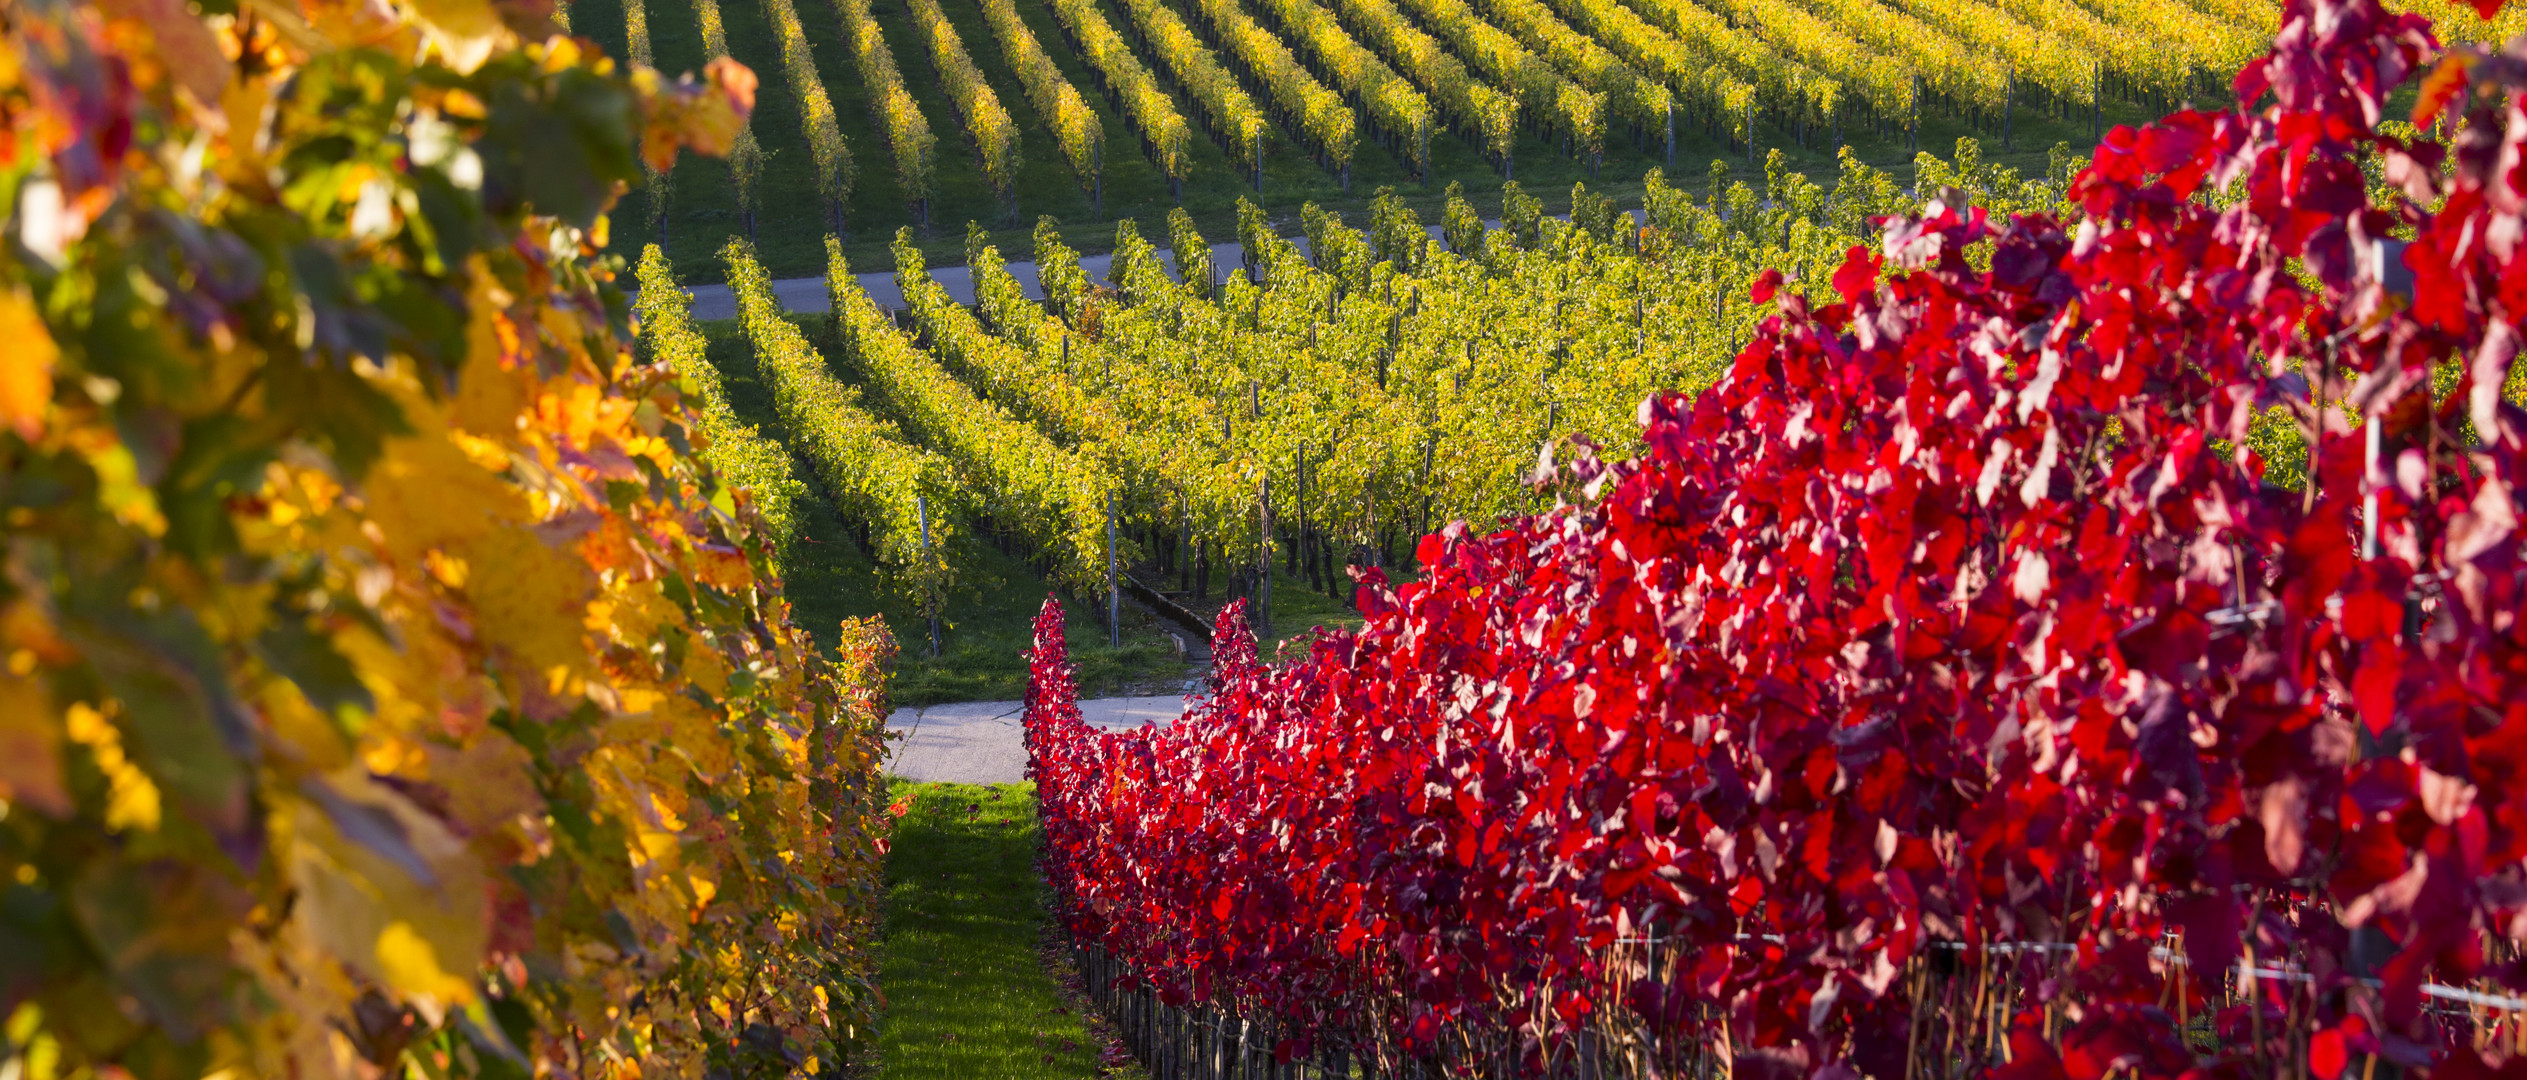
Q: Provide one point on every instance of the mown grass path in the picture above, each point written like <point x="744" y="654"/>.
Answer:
<point x="968" y="993"/>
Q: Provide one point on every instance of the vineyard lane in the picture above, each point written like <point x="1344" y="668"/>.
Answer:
<point x="982" y="742"/>
<point x="805" y="296"/>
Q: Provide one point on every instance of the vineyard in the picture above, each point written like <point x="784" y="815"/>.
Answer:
<point x="1092" y="111"/>
<point x="398" y="676"/>
<point x="1833" y="612"/>
<point x="2054" y="641"/>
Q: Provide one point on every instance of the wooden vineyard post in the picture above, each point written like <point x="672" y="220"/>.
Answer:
<point x="1750" y="132"/>
<point x="1427" y="449"/>
<point x="921" y="508"/>
<point x="2097" y="104"/>
<point x="1913" y="129"/>
<point x="1097" y="176"/>
<point x="2369" y="502"/>
<point x="1671" y="134"/>
<point x="1258" y="156"/>
<point x="1263" y="555"/>
<point x="1291" y="560"/>
<point x="2009" y="107"/>
<point x="1114" y="595"/>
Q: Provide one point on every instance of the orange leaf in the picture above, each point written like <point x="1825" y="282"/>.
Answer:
<point x="26" y="371"/>
<point x="736" y="81"/>
<point x="2445" y="82"/>
<point x="189" y="49"/>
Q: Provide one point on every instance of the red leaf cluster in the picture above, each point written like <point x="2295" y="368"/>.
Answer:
<point x="1946" y="619"/>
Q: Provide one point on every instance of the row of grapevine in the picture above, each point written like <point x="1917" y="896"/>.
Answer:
<point x="1402" y="115"/>
<point x="1711" y="87"/>
<point x="1787" y="85"/>
<point x="1233" y="117"/>
<point x="744" y="459"/>
<point x="2056" y="63"/>
<point x="825" y="146"/>
<point x="1135" y="91"/>
<point x="1948" y="691"/>
<point x="894" y="494"/>
<point x="2152" y="69"/>
<point x="1194" y="265"/>
<point x="1435" y="373"/>
<point x="1627" y="93"/>
<point x="1010" y="471"/>
<point x="994" y="134"/>
<point x="1575" y="115"/>
<point x="2197" y="40"/>
<point x="1946" y="66"/>
<point x="745" y="159"/>
<point x="2453" y="20"/>
<point x="392" y="690"/>
<point x="1882" y="82"/>
<point x="1306" y="106"/>
<point x="1001" y="371"/>
<point x="1074" y="124"/>
<point x="1473" y="108"/>
<point x="654" y="181"/>
<point x="890" y="105"/>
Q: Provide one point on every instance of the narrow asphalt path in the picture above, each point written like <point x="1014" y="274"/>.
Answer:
<point x="806" y="295"/>
<point x="982" y="742"/>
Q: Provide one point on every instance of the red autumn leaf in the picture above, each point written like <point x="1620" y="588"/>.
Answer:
<point x="1765" y="287"/>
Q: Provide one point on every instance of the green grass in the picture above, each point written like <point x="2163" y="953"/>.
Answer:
<point x="988" y="619"/>
<point x="968" y="996"/>
<point x="790" y="230"/>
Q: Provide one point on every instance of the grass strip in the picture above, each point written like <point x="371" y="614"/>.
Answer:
<point x="968" y="993"/>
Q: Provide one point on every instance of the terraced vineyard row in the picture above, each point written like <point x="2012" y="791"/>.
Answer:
<point x="1325" y="407"/>
<point x="1209" y="90"/>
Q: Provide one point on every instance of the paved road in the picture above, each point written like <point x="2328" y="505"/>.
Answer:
<point x="980" y="742"/>
<point x="807" y="295"/>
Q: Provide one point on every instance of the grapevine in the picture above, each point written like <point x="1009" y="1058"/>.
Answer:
<point x="1473" y="108"/>
<point x="1234" y="119"/>
<point x="1054" y="498"/>
<point x="897" y="496"/>
<point x="740" y="454"/>
<point x="987" y="124"/>
<point x="1400" y="111"/>
<point x="816" y="111"/>
<point x="360" y="575"/>
<point x="1135" y="90"/>
<point x="1305" y="104"/>
<point x="1075" y="126"/>
<point x="892" y="106"/>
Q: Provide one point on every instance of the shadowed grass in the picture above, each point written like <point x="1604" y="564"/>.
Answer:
<point x="968" y="997"/>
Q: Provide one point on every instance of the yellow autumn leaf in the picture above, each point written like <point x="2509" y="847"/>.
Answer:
<point x="364" y="859"/>
<point x="411" y="965"/>
<point x="131" y="801"/>
<point x="465" y="31"/>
